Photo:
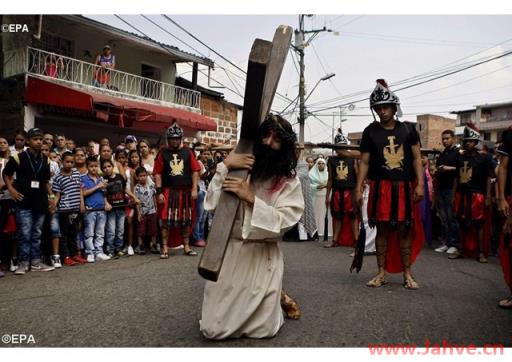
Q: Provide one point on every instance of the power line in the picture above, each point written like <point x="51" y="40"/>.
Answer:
<point x="425" y="81"/>
<point x="351" y="21"/>
<point x="213" y="50"/>
<point x="409" y="40"/>
<point x="435" y="71"/>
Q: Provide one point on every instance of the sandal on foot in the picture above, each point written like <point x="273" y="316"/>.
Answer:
<point x="410" y="283"/>
<point x="191" y="253"/>
<point x="505" y="303"/>
<point x="482" y="259"/>
<point x="164" y="256"/>
<point x="376" y="282"/>
<point x="290" y="306"/>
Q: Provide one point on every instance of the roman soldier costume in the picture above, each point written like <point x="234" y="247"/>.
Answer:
<point x="176" y="168"/>
<point x="343" y="175"/>
<point x="392" y="180"/>
<point x="474" y="171"/>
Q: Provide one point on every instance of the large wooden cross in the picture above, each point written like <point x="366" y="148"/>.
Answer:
<point x="266" y="62"/>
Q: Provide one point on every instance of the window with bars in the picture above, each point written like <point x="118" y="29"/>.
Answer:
<point x="56" y="44"/>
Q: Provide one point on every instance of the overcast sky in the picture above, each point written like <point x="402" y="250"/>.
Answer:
<point x="367" y="47"/>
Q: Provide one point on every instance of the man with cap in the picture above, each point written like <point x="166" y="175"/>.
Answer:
<point x="472" y="196"/>
<point x="342" y="181"/>
<point x="130" y="142"/>
<point x="391" y="160"/>
<point x="106" y="61"/>
<point x="32" y="192"/>
<point x="176" y="172"/>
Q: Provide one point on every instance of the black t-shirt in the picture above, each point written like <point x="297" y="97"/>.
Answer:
<point x="506" y="148"/>
<point x="116" y="191"/>
<point x="473" y="171"/>
<point x="448" y="157"/>
<point x="390" y="151"/>
<point x="32" y="176"/>
<point x="342" y="171"/>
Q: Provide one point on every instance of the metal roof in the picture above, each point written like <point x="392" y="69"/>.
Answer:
<point x="485" y="106"/>
<point x="165" y="48"/>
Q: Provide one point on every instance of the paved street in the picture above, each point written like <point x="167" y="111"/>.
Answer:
<point x="143" y="301"/>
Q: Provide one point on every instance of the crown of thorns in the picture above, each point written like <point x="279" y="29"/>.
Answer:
<point x="272" y="123"/>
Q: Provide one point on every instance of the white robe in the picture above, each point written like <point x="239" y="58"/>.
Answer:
<point x="245" y="301"/>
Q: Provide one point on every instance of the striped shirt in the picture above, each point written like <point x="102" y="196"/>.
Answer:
<point x="69" y="189"/>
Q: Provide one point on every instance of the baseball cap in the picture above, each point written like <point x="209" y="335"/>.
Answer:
<point x="130" y="138"/>
<point x="35" y="132"/>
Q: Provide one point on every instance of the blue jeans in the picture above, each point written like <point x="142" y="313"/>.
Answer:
<point x="115" y="229"/>
<point x="30" y="229"/>
<point x="449" y="225"/>
<point x="198" y="232"/>
<point x="94" y="231"/>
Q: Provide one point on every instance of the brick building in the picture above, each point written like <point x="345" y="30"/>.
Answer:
<point x="430" y="127"/>
<point x="224" y="113"/>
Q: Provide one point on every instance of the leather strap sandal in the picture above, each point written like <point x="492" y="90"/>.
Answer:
<point x="410" y="283"/>
<point x="376" y="282"/>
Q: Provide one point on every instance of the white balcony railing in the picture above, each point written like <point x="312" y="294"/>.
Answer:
<point x="87" y="75"/>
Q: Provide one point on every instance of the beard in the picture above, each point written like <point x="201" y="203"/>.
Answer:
<point x="266" y="164"/>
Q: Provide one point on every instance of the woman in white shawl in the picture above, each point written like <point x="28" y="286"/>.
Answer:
<point x="318" y="177"/>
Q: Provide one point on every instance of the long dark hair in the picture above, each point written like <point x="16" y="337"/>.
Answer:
<point x="275" y="164"/>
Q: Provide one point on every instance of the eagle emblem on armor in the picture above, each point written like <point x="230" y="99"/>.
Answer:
<point x="393" y="154"/>
<point x="465" y="173"/>
<point x="177" y="166"/>
<point x="341" y="171"/>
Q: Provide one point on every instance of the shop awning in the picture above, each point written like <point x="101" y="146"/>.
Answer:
<point x="126" y="113"/>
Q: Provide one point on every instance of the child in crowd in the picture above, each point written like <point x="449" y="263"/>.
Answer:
<point x="93" y="187"/>
<point x="146" y="210"/>
<point x="115" y="206"/>
<point x="65" y="213"/>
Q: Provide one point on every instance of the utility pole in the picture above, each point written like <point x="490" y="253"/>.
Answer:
<point x="300" y="45"/>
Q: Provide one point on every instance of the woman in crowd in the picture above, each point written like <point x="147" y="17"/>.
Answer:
<point x="318" y="176"/>
<point x="147" y="159"/>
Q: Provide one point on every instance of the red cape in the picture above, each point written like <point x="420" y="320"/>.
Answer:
<point x="470" y="242"/>
<point x="345" y="238"/>
<point x="393" y="259"/>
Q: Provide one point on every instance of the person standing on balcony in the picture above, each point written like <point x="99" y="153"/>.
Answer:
<point x="106" y="61"/>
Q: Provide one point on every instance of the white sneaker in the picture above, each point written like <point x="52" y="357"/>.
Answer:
<point x="130" y="251"/>
<point x="452" y="250"/>
<point x="442" y="249"/>
<point x="14" y="265"/>
<point x="22" y="268"/>
<point x="102" y="257"/>
<point x="55" y="260"/>
<point x="90" y="258"/>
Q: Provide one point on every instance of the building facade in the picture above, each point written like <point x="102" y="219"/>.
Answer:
<point x="430" y="127"/>
<point x="490" y="119"/>
<point x="49" y="80"/>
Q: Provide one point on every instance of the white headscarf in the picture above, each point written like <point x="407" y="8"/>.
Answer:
<point x="318" y="177"/>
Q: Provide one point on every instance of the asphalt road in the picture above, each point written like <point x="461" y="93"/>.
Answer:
<point x="142" y="301"/>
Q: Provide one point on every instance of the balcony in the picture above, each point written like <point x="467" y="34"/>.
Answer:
<point x="83" y="75"/>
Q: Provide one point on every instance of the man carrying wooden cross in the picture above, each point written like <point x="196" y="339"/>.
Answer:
<point x="245" y="300"/>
